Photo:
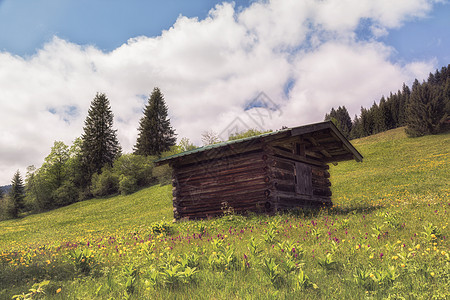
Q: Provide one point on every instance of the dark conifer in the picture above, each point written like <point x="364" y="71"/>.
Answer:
<point x="99" y="141"/>
<point x="425" y="112"/>
<point x="155" y="132"/>
<point x="341" y="119"/>
<point x="403" y="103"/>
<point x="17" y="195"/>
<point x="357" y="130"/>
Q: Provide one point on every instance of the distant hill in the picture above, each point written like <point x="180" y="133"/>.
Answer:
<point x="5" y="188"/>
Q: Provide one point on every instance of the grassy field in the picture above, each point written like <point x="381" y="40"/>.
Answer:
<point x="385" y="237"/>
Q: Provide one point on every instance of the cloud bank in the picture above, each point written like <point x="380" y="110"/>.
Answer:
<point x="306" y="56"/>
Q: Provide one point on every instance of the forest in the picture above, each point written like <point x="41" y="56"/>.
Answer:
<point x="424" y="109"/>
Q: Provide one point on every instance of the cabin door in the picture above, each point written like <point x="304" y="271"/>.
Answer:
<point x="303" y="178"/>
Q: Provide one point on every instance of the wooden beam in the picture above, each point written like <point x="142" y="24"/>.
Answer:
<point x="292" y="156"/>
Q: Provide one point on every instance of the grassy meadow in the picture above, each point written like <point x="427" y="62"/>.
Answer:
<point x="386" y="237"/>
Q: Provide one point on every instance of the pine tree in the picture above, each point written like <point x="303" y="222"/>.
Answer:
<point x="403" y="104"/>
<point x="17" y="195"/>
<point x="367" y="122"/>
<point x="425" y="111"/>
<point x="155" y="132"/>
<point x="99" y="141"/>
<point x="357" y="130"/>
<point x="341" y="119"/>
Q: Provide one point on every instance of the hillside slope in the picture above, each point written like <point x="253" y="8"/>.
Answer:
<point x="386" y="237"/>
<point x="395" y="170"/>
<point x="89" y="218"/>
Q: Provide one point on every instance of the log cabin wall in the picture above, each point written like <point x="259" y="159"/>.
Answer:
<point x="298" y="184"/>
<point x="266" y="173"/>
<point x="208" y="188"/>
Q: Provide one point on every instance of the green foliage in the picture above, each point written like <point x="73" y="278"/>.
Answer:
<point x="54" y="165"/>
<point x="106" y="183"/>
<point x="186" y="145"/>
<point x="271" y="270"/>
<point x="136" y="167"/>
<point x="127" y="185"/>
<point x="303" y="281"/>
<point x="37" y="290"/>
<point x="341" y="119"/>
<point x="245" y="134"/>
<point x="100" y="146"/>
<point x="425" y="110"/>
<point x="131" y="275"/>
<point x="17" y="195"/>
<point x="431" y="232"/>
<point x="328" y="262"/>
<point x="66" y="194"/>
<point x="155" y="132"/>
<point x="83" y="260"/>
<point x="161" y="227"/>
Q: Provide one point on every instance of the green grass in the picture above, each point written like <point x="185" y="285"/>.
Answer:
<point x="386" y="237"/>
<point x="88" y="218"/>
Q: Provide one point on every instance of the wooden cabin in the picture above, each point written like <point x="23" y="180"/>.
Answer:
<point x="266" y="173"/>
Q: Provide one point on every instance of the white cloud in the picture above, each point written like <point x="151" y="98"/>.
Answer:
<point x="208" y="70"/>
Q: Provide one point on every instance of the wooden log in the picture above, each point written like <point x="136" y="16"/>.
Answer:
<point x="211" y="170"/>
<point x="222" y="185"/>
<point x="320" y="181"/>
<point x="223" y="191"/>
<point x="231" y="175"/>
<point x="221" y="163"/>
<point x="284" y="154"/>
<point x="322" y="192"/>
<point x="320" y="173"/>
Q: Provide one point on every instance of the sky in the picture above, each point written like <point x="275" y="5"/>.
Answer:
<point x="222" y="66"/>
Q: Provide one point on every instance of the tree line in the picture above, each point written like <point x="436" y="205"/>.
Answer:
<point x="424" y="109"/>
<point x="94" y="164"/>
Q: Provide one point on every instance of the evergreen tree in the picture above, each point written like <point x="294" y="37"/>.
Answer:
<point x="17" y="195"/>
<point x="155" y="132"/>
<point x="357" y="130"/>
<point x="446" y="96"/>
<point x="425" y="112"/>
<point x="341" y="119"/>
<point x="99" y="145"/>
<point x="403" y="103"/>
<point x="367" y="122"/>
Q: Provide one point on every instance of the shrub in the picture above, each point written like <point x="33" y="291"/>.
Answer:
<point x="5" y="208"/>
<point x="137" y="167"/>
<point x="127" y="185"/>
<point x="163" y="174"/>
<point x="66" y="194"/>
<point x="107" y="183"/>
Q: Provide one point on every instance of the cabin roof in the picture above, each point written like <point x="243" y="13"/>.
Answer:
<point x="324" y="136"/>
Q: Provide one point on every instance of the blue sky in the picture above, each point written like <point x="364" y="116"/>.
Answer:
<point x="27" y="24"/>
<point x="209" y="58"/>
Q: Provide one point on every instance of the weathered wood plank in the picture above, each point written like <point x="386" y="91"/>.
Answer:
<point x="304" y="180"/>
<point x="221" y="163"/>
<point x="205" y="179"/>
<point x="291" y="156"/>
